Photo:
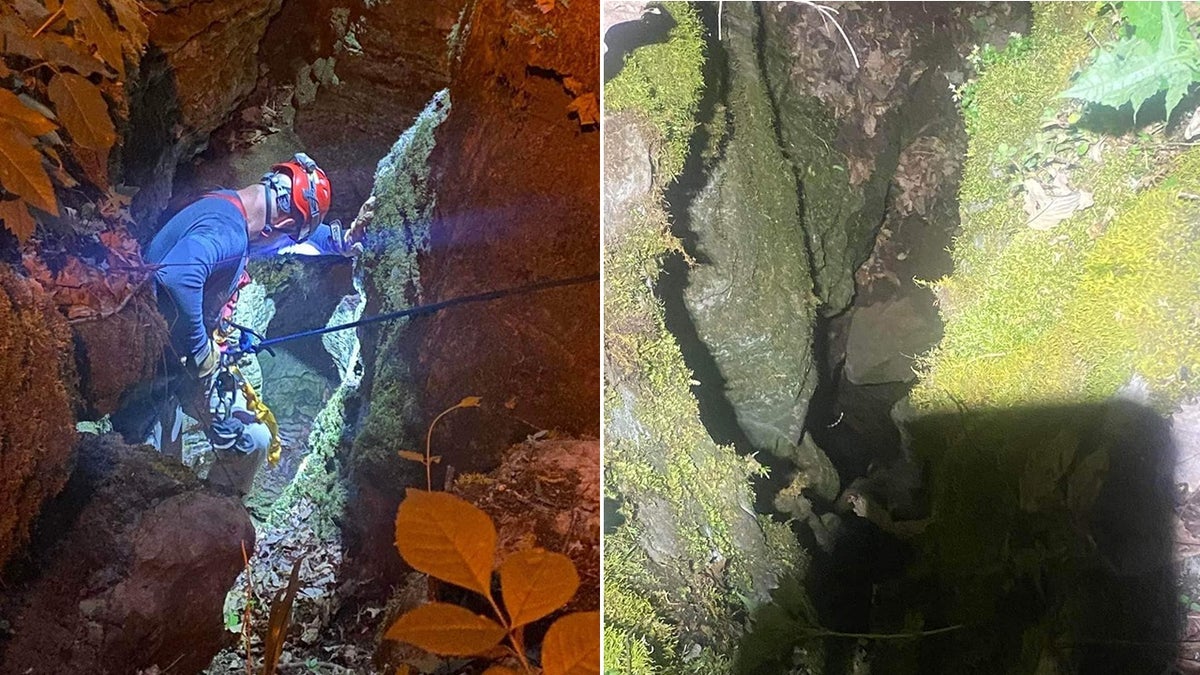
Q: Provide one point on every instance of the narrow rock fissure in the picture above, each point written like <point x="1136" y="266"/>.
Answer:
<point x="850" y="421"/>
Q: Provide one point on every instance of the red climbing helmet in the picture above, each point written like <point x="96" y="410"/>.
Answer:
<point x="310" y="194"/>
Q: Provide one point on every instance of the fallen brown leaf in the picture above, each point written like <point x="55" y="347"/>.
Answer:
<point x="1186" y="544"/>
<point x="1047" y="209"/>
<point x="587" y="108"/>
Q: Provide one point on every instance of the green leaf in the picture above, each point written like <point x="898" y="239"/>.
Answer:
<point x="1145" y="18"/>
<point x="1161" y="56"/>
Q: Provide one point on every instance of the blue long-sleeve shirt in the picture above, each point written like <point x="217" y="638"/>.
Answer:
<point x="202" y="250"/>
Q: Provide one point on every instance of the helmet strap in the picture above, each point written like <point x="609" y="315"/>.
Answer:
<point x="269" y="207"/>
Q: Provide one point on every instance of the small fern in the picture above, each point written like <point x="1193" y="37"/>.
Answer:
<point x="1160" y="55"/>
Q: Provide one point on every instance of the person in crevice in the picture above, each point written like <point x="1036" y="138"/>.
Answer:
<point x="201" y="255"/>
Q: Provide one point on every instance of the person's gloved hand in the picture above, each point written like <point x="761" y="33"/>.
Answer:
<point x="205" y="365"/>
<point x="225" y="434"/>
<point x="340" y="237"/>
<point x="353" y="239"/>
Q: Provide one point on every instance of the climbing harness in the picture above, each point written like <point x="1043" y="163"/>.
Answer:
<point x="228" y="383"/>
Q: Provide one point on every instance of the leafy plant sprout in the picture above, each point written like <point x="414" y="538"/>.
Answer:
<point x="448" y="538"/>
<point x="828" y="14"/>
<point x="427" y="459"/>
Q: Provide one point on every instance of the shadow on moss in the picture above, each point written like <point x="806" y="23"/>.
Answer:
<point x="1047" y="547"/>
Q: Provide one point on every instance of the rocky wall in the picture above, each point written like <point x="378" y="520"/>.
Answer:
<point x="518" y="201"/>
<point x="686" y="557"/>
<point x="201" y="62"/>
<point x="477" y="196"/>
<point x="37" y="426"/>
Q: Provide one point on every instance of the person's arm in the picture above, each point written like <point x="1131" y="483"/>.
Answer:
<point x="184" y="270"/>
<point x="320" y="242"/>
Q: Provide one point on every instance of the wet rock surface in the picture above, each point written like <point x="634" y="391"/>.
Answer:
<point x="132" y="572"/>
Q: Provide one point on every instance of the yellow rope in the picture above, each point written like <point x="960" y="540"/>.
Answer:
<point x="263" y="414"/>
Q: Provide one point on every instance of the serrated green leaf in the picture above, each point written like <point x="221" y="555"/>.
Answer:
<point x="1146" y="19"/>
<point x="1161" y="56"/>
<point x="1178" y="82"/>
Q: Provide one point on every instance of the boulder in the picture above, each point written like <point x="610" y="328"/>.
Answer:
<point x="750" y="295"/>
<point x="131" y="570"/>
<point x="885" y="338"/>
<point x="116" y="353"/>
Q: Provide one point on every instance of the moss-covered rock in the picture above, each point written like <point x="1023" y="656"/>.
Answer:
<point x="1051" y="511"/>
<point x="842" y="119"/>
<point x="404" y="201"/>
<point x="750" y="293"/>
<point x="660" y="82"/>
<point x="319" y="480"/>
<point x="1074" y="313"/>
<point x="690" y="556"/>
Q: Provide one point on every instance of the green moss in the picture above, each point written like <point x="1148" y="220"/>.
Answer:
<point x="1015" y="90"/>
<point x="664" y="81"/>
<point x="839" y="219"/>
<point x="658" y="452"/>
<point x="1071" y="314"/>
<point x="404" y="202"/>
<point x="626" y="653"/>
<point x="631" y="612"/>
<point x="457" y="36"/>
<point x="317" y="480"/>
